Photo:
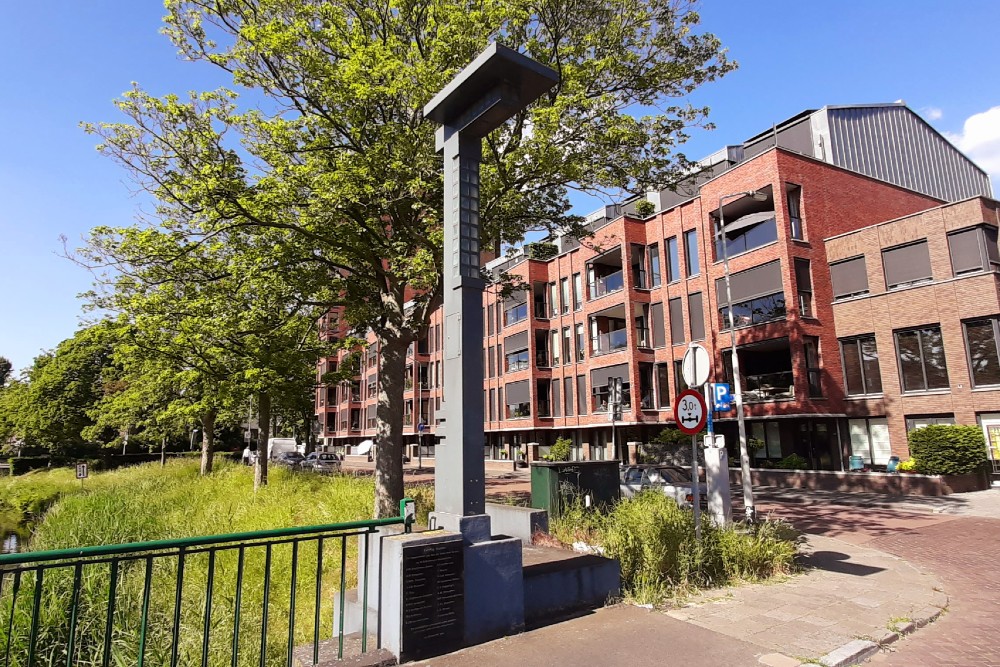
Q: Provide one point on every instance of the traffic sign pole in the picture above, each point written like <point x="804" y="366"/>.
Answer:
<point x="690" y="412"/>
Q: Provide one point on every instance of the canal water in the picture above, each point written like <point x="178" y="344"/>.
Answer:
<point x="12" y="541"/>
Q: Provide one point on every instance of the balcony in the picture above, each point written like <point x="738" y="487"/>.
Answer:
<point x="643" y="338"/>
<point x="769" y="387"/>
<point x="607" y="343"/>
<point x="766" y="371"/>
<point x="519" y="365"/>
<point x="613" y="282"/>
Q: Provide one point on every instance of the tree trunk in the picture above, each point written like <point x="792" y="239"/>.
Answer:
<point x="389" y="426"/>
<point x="207" y="441"/>
<point x="263" y="433"/>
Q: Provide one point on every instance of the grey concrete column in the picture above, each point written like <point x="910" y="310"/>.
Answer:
<point x="459" y="486"/>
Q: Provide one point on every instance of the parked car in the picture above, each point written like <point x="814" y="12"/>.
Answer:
<point x="321" y="462"/>
<point x="292" y="459"/>
<point x="673" y="481"/>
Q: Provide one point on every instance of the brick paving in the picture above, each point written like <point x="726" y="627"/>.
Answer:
<point x="963" y="554"/>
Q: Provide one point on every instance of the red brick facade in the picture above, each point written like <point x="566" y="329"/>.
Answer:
<point x="833" y="202"/>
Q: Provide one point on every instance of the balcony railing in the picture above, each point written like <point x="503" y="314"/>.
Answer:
<point x="541" y="359"/>
<point x="769" y="387"/>
<point x="612" y="341"/>
<point x="607" y="284"/>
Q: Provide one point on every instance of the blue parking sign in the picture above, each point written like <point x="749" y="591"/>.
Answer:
<point x="721" y="398"/>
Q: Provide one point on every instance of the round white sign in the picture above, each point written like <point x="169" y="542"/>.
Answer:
<point x="695" y="366"/>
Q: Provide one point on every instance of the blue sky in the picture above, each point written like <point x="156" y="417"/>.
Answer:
<point x="64" y="61"/>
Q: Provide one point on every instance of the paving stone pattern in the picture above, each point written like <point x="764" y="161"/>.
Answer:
<point x="964" y="554"/>
<point x="840" y="598"/>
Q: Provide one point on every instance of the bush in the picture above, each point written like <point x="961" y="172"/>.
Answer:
<point x="941" y="449"/>
<point x="644" y="208"/>
<point x="560" y="451"/>
<point x="792" y="462"/>
<point x="22" y="464"/>
<point x="909" y="465"/>
<point x="654" y="540"/>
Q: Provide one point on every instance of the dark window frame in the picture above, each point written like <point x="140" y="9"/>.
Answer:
<point x="994" y="321"/>
<point x="865" y="383"/>
<point x="923" y="362"/>
<point x="673" y="266"/>
<point x="691" y="268"/>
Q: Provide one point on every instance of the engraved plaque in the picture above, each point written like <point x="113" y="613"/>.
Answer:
<point x="433" y="599"/>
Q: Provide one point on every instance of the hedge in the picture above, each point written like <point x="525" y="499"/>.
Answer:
<point x="22" y="464"/>
<point x="941" y="449"/>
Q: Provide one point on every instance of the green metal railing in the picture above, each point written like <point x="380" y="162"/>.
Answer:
<point x="212" y="600"/>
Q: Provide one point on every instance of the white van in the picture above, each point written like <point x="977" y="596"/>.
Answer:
<point x="277" y="446"/>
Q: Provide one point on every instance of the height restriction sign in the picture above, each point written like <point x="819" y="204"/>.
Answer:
<point x="690" y="412"/>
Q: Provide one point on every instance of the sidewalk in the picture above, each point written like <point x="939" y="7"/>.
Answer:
<point x="977" y="503"/>
<point x="849" y="595"/>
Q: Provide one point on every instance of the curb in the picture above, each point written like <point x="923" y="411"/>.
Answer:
<point x="860" y="650"/>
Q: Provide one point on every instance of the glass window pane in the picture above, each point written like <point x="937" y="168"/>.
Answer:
<point x="881" y="449"/>
<point x="910" y="368"/>
<point x="691" y="252"/>
<point x="852" y="367"/>
<point x="859" y="439"/>
<point x="663" y="386"/>
<point x="934" y="364"/>
<point x="673" y="270"/>
<point x="983" y="353"/>
<point x="869" y="363"/>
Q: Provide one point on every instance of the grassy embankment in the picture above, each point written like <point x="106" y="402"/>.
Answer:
<point x="148" y="503"/>
<point x="655" y="542"/>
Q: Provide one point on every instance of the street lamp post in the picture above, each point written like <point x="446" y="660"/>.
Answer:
<point x="748" y="504"/>
<point x="194" y="432"/>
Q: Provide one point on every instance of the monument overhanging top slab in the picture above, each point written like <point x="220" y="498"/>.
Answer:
<point x="522" y="79"/>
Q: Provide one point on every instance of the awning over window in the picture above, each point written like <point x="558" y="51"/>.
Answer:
<point x="752" y="283"/>
<point x="748" y="220"/>
<point x="599" y="376"/>
<point x="516" y="342"/>
<point x="518" y="392"/>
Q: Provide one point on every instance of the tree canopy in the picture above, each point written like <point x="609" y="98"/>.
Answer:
<point x="333" y="163"/>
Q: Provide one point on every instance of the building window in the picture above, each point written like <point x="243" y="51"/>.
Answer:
<point x="673" y="264"/>
<point x="861" y="370"/>
<point x="810" y="347"/>
<point x="567" y="346"/>
<point x="542" y="389"/>
<point x="581" y="394"/>
<point x="922" y="364"/>
<point x="553" y="300"/>
<point x="758" y="296"/>
<point x="653" y="259"/>
<point x="973" y="250"/>
<point x="645" y="386"/>
<point x="747" y="233"/>
<point x="906" y="265"/>
<point x="355" y="419"/>
<point x="679" y="383"/>
<point x="564" y="295"/>
<point x="676" y="314"/>
<point x="919" y="421"/>
<point x="662" y="386"/>
<point x="795" y="212"/>
<point x="516" y="352"/>
<point x="637" y="256"/>
<point x="870" y="440"/>
<point x="568" y="395"/>
<point x="577" y="291"/>
<point x="581" y="343"/>
<point x="984" y="361"/>
<point x="515" y="313"/>
<point x="849" y="278"/>
<point x="691" y="252"/>
<point x="518" y="400"/>
<point x="493" y="402"/>
<point x="696" y="315"/>
<point x="803" y="279"/>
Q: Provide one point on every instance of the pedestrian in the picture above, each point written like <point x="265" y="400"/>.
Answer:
<point x="246" y="455"/>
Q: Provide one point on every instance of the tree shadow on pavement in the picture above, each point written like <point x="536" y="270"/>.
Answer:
<point x="835" y="561"/>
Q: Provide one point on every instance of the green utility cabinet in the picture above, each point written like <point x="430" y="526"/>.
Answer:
<point x="552" y="480"/>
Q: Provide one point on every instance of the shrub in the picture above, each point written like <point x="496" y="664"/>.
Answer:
<point x="941" y="449"/>
<point x="560" y="450"/>
<point x="909" y="465"/>
<point x="654" y="540"/>
<point x="644" y="208"/>
<point x="541" y="250"/>
<point x="792" y="462"/>
<point x="666" y="445"/>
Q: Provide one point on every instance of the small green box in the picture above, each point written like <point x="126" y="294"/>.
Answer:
<point x="599" y="480"/>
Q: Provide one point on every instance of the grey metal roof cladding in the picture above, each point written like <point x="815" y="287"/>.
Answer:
<point x="887" y="141"/>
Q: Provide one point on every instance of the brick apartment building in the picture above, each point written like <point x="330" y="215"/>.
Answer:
<point x="627" y="301"/>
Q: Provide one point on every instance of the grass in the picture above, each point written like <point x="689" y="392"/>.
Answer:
<point x="654" y="540"/>
<point x="148" y="503"/>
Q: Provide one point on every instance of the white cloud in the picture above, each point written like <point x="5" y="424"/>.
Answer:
<point x="932" y="113"/>
<point x="980" y="140"/>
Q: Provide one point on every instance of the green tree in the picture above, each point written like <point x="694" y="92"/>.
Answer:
<point x="5" y="370"/>
<point x="51" y="407"/>
<point x="335" y="156"/>
<point x="206" y="322"/>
